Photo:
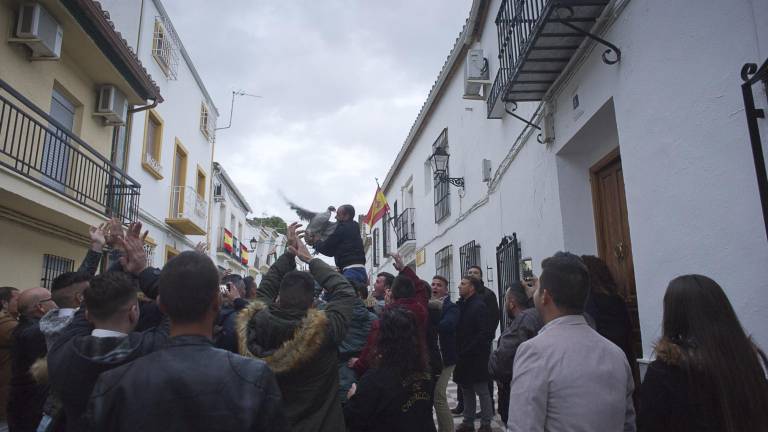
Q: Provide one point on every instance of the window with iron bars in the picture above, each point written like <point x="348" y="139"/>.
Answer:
<point x="53" y="266"/>
<point x="207" y="122"/>
<point x="150" y="251"/>
<point x="165" y="47"/>
<point x="469" y="255"/>
<point x="443" y="264"/>
<point x="385" y="235"/>
<point x="375" y="247"/>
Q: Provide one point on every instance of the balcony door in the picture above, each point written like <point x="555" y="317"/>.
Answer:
<point x="178" y="181"/>
<point x="56" y="149"/>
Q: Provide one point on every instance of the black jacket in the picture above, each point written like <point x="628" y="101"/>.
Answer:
<point x="492" y="304"/>
<point x="385" y="402"/>
<point x="345" y="245"/>
<point x="449" y="319"/>
<point x="77" y="359"/>
<point x="225" y="332"/>
<point x="473" y="342"/>
<point x="187" y="386"/>
<point x="26" y="397"/>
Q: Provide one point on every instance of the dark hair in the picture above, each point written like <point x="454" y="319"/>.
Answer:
<point x="478" y="269"/>
<point x="476" y="283"/>
<point x="360" y="288"/>
<point x="250" y="285"/>
<point x="6" y="293"/>
<point x="297" y="290"/>
<point x="67" y="279"/>
<point x="388" y="278"/>
<point x="348" y="210"/>
<point x="399" y="346"/>
<point x="107" y="293"/>
<point x="440" y="278"/>
<point x="600" y="279"/>
<point x="566" y="279"/>
<point x="189" y="283"/>
<point x="700" y="320"/>
<point x="235" y="279"/>
<point x="517" y="292"/>
<point x="402" y="287"/>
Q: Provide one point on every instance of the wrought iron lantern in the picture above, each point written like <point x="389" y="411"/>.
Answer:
<point x="254" y="243"/>
<point x="439" y="162"/>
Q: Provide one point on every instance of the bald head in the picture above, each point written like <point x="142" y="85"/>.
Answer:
<point x="35" y="302"/>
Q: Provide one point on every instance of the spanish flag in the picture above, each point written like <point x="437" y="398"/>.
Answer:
<point x="244" y="254"/>
<point x="378" y="208"/>
<point x="228" y="241"/>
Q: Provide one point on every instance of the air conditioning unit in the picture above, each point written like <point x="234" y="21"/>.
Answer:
<point x="475" y="74"/>
<point x="40" y="31"/>
<point x="112" y="105"/>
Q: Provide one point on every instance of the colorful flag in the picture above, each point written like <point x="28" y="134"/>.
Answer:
<point x="228" y="241"/>
<point x="243" y="254"/>
<point x="379" y="208"/>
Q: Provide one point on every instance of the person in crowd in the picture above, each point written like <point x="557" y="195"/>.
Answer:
<point x="708" y="374"/>
<point x="569" y="377"/>
<point x="473" y="347"/>
<point x="396" y="393"/>
<point x="100" y="337"/>
<point x="494" y="316"/>
<point x="380" y="287"/>
<point x="353" y="344"/>
<point x="608" y="309"/>
<point x="449" y="319"/>
<point x="8" y="321"/>
<point x="300" y="343"/>
<point x="345" y="245"/>
<point x="225" y="332"/>
<point x="188" y="384"/>
<point x="526" y="323"/>
<point x="26" y="396"/>
<point x="250" y="288"/>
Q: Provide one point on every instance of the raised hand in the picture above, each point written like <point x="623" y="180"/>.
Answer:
<point x="293" y="235"/>
<point x="398" y="264"/>
<point x="114" y="232"/>
<point x="98" y="238"/>
<point x="134" y="259"/>
<point x="202" y="247"/>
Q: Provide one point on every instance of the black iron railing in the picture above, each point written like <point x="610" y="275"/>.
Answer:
<point x="469" y="255"/>
<point x="508" y="267"/>
<point x="405" y="226"/>
<point x="751" y="75"/>
<point x="36" y="146"/>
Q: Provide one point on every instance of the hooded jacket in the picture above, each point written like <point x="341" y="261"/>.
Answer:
<point x="301" y="347"/>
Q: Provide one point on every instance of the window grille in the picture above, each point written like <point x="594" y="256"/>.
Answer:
<point x="53" y="266"/>
<point x="469" y="255"/>
<point x="385" y="235"/>
<point x="443" y="267"/>
<point x="165" y="47"/>
<point x="376" y="247"/>
<point x="207" y="123"/>
<point x="150" y="251"/>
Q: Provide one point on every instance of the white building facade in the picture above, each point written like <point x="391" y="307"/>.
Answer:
<point x="229" y="247"/>
<point x="269" y="244"/>
<point x="646" y="162"/>
<point x="171" y="145"/>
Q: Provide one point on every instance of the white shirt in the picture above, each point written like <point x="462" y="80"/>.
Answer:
<point x="102" y="333"/>
<point x="569" y="378"/>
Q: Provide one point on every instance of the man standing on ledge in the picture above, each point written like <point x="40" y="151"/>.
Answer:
<point x="345" y="245"/>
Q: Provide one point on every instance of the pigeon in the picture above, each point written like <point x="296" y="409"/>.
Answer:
<point x="320" y="226"/>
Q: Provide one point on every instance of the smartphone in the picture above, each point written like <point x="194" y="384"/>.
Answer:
<point x="223" y="289"/>
<point x="526" y="268"/>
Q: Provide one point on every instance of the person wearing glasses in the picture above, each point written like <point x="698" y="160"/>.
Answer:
<point x="26" y="399"/>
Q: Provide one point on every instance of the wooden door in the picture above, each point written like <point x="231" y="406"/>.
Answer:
<point x="612" y="227"/>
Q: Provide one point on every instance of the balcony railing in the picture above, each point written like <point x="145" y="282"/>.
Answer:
<point x="34" y="145"/>
<point x="188" y="206"/>
<point x="405" y="227"/>
<point x="537" y="39"/>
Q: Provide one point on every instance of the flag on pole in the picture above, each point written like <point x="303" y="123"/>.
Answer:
<point x="379" y="208"/>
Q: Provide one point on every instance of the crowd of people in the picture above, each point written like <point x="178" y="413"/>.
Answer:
<point x="188" y="348"/>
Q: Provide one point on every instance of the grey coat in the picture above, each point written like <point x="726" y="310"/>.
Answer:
<point x="523" y="327"/>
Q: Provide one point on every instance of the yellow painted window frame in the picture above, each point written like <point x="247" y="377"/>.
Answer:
<point x="201" y="173"/>
<point x="179" y="148"/>
<point x="170" y="250"/>
<point x="153" y="116"/>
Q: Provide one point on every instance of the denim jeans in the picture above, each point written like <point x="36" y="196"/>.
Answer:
<point x="479" y="389"/>
<point x="356" y="273"/>
<point x="444" y="417"/>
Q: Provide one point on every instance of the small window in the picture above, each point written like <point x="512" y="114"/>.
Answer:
<point x="153" y="145"/>
<point x="165" y="47"/>
<point x="178" y="180"/>
<point x="469" y="255"/>
<point x="200" y="184"/>
<point x="53" y="266"/>
<point x="376" y="247"/>
<point x="385" y="235"/>
<point x="207" y="122"/>
<point x="443" y="261"/>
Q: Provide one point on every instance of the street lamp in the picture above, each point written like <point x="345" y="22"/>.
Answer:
<point x="254" y="243"/>
<point x="439" y="162"/>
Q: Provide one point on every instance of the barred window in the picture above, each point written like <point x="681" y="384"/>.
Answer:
<point x="165" y="47"/>
<point x="443" y="264"/>
<point x="207" y="122"/>
<point x="385" y="235"/>
<point x="53" y="266"/>
<point x="469" y="255"/>
<point x="376" y="247"/>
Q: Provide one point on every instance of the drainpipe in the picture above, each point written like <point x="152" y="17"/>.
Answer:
<point x="143" y="108"/>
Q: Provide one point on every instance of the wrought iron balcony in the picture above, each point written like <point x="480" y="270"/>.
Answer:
<point x="37" y="147"/>
<point x="537" y="39"/>
<point x="189" y="211"/>
<point x="405" y="227"/>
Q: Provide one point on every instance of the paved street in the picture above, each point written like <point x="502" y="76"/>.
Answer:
<point x="497" y="425"/>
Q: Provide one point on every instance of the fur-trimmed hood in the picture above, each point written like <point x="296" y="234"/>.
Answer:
<point x="286" y="340"/>
<point x="669" y="352"/>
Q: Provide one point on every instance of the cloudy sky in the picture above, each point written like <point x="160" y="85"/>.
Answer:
<point x="342" y="82"/>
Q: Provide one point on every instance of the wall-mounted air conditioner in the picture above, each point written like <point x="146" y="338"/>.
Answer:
<point x="40" y="31"/>
<point x="475" y="75"/>
<point x="112" y="105"/>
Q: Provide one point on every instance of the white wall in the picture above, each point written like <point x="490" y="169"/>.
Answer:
<point x="674" y="107"/>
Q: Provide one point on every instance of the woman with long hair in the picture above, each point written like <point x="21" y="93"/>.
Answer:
<point x="708" y="374"/>
<point x="396" y="393"/>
